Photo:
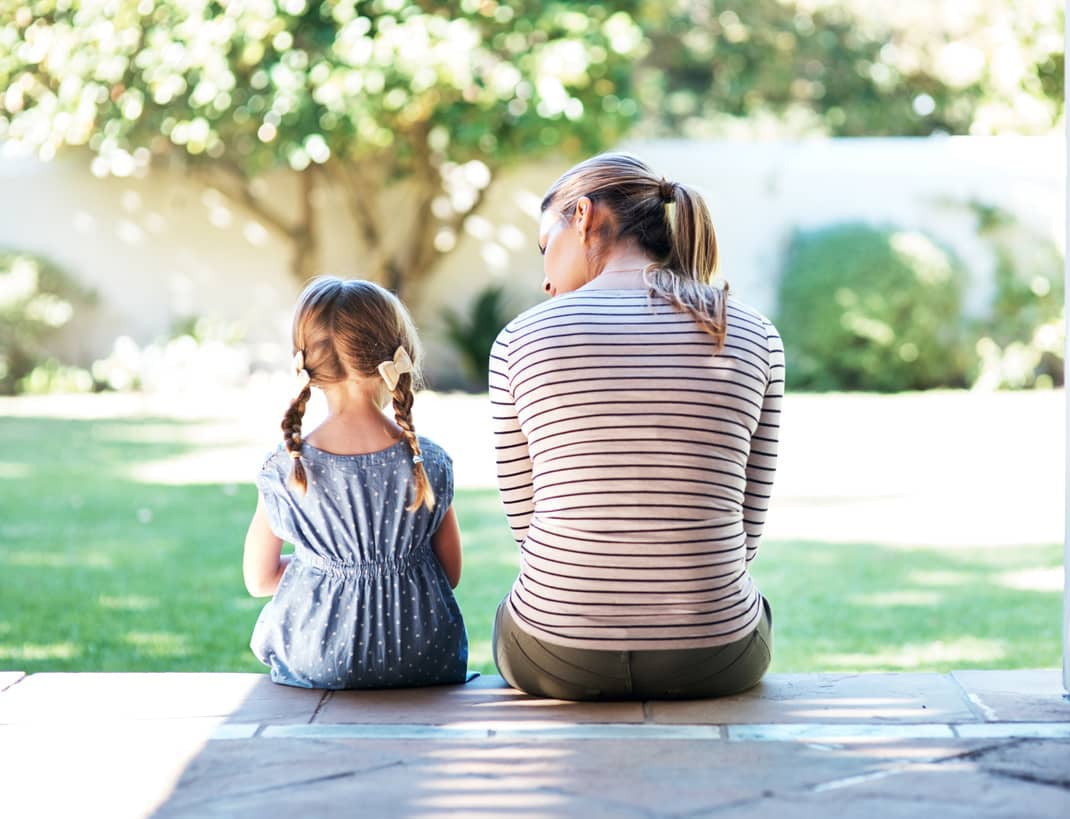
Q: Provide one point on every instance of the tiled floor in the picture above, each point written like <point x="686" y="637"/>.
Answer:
<point x="970" y="744"/>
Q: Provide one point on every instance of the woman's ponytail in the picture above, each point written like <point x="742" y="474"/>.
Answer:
<point x="684" y="279"/>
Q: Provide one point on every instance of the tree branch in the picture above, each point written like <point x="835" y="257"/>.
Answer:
<point x="238" y="190"/>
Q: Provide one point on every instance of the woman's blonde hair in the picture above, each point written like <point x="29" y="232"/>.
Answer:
<point x="680" y="239"/>
<point x="344" y="328"/>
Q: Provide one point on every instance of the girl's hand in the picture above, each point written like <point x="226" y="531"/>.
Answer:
<point x="446" y="543"/>
<point x="262" y="562"/>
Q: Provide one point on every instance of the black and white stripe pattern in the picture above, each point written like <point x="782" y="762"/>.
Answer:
<point x="635" y="466"/>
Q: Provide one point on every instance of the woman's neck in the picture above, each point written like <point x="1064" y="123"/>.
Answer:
<point x="622" y="270"/>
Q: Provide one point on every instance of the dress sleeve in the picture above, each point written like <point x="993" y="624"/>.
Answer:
<point x="272" y="489"/>
<point x="443" y="486"/>
<point x="761" y="463"/>
<point x="510" y="446"/>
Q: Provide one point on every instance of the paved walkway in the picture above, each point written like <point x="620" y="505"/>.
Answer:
<point x="970" y="744"/>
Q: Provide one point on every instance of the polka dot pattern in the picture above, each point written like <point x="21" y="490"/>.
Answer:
<point x="365" y="602"/>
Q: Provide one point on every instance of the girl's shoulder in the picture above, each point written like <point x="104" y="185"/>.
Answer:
<point x="433" y="453"/>
<point x="274" y="458"/>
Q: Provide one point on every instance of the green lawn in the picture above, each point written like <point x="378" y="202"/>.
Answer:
<point x="101" y="572"/>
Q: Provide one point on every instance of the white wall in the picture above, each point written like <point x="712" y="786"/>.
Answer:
<point x="162" y="247"/>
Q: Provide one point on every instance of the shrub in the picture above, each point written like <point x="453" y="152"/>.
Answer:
<point x="473" y="335"/>
<point x="872" y="308"/>
<point x="1020" y="341"/>
<point x="36" y="299"/>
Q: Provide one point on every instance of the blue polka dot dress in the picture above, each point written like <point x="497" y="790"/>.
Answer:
<point x="365" y="602"/>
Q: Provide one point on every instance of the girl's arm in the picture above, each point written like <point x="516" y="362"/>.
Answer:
<point x="446" y="543"/>
<point x="262" y="563"/>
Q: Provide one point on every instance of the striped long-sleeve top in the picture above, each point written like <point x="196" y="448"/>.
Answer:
<point x="635" y="464"/>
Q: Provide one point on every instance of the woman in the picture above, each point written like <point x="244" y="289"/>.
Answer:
<point x="636" y="417"/>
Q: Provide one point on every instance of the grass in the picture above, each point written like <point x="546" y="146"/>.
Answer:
<point x="102" y="572"/>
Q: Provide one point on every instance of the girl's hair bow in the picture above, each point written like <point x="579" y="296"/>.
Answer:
<point x="392" y="370"/>
<point x="300" y="373"/>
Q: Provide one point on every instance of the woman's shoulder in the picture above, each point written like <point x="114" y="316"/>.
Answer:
<point x="740" y="312"/>
<point x="576" y="304"/>
<point x="532" y="313"/>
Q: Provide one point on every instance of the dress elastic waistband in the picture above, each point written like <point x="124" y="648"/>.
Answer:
<point x="365" y="567"/>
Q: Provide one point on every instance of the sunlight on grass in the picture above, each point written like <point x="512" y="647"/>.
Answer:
<point x="58" y="560"/>
<point x="1037" y="579"/>
<point x="37" y="652"/>
<point x="129" y="602"/>
<point x="13" y="471"/>
<point x="939" y="578"/>
<point x="968" y="650"/>
<point x="159" y="643"/>
<point x="905" y="597"/>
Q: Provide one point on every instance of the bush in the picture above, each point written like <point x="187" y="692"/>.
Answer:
<point x="872" y="308"/>
<point x="472" y="336"/>
<point x="36" y="299"/>
<point x="1021" y="340"/>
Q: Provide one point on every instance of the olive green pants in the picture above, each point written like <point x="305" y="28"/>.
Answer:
<point x="566" y="673"/>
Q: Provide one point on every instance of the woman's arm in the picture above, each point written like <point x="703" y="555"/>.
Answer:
<point x="761" y="463"/>
<point x="446" y="543"/>
<point x="515" y="481"/>
<point x="262" y="562"/>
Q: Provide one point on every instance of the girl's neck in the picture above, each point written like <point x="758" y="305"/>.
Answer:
<point x="355" y="423"/>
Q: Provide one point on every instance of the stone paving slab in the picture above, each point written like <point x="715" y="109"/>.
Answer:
<point x="486" y="699"/>
<point x="871" y="698"/>
<point x="65" y="698"/>
<point x="1016" y="696"/>
<point x="944" y="791"/>
<point x="1044" y="761"/>
<point x="9" y="678"/>
<point x="401" y="778"/>
<point x="235" y="745"/>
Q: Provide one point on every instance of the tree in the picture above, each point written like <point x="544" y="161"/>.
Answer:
<point x="369" y="94"/>
<point x="851" y="67"/>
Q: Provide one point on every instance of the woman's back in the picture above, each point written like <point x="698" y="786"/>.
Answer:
<point x="635" y="462"/>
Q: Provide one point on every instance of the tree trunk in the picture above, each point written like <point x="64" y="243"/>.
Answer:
<point x="306" y="259"/>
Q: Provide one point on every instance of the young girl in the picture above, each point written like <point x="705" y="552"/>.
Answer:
<point x="366" y="599"/>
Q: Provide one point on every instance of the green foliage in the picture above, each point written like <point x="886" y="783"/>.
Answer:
<point x="851" y="67"/>
<point x="1021" y="340"/>
<point x="36" y="299"/>
<point x="52" y="376"/>
<point x="472" y="335"/>
<point x="299" y="82"/>
<point x="359" y="94"/>
<point x="866" y="308"/>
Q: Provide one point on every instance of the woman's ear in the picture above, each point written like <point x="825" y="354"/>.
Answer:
<point x="582" y="219"/>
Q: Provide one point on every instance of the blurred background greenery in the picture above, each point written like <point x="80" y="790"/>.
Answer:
<point x="437" y="99"/>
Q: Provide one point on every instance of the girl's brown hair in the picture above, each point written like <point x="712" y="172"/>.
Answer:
<point x="636" y="201"/>
<point x="345" y="328"/>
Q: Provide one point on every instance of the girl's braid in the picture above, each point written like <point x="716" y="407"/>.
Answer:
<point x="403" y="398"/>
<point x="291" y="429"/>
